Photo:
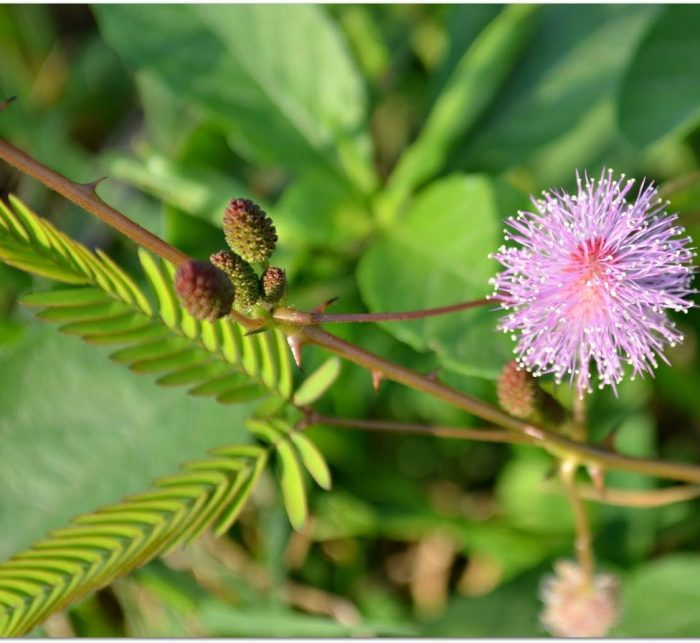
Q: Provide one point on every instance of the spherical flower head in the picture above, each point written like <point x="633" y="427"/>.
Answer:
<point x="575" y="606"/>
<point x="249" y="232"/>
<point x="591" y="281"/>
<point x="205" y="291"/>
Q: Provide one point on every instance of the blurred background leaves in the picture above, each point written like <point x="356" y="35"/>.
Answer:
<point x="308" y="110"/>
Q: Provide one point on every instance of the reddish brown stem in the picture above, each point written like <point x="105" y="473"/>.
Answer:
<point x="301" y="318"/>
<point x="483" y="435"/>
<point x="85" y="197"/>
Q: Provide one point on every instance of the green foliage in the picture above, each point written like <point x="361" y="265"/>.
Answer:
<point x="428" y="264"/>
<point x="97" y="547"/>
<point x="657" y="596"/>
<point x="665" y="64"/>
<point x="249" y="67"/>
<point x="213" y="358"/>
<point x="387" y="143"/>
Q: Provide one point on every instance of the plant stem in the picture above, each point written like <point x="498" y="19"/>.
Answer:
<point x="300" y="318"/>
<point x="299" y="324"/>
<point x="483" y="435"/>
<point x="555" y="444"/>
<point x="582" y="542"/>
<point x="633" y="497"/>
<point x="85" y="197"/>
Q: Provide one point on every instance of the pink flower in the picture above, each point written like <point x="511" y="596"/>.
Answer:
<point x="591" y="281"/>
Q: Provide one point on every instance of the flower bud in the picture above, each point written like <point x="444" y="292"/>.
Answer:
<point x="242" y="275"/>
<point x="517" y="391"/>
<point x="204" y="290"/>
<point x="249" y="232"/>
<point x="273" y="284"/>
<point x="575" y="607"/>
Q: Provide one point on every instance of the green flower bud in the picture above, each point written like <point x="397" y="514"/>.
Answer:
<point x="242" y="275"/>
<point x="204" y="290"/>
<point x="273" y="283"/>
<point x="249" y="232"/>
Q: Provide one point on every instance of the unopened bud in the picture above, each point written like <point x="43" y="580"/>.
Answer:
<point x="273" y="284"/>
<point x="242" y="275"/>
<point x="517" y="391"/>
<point x="249" y="232"/>
<point x="205" y="291"/>
<point x="577" y="607"/>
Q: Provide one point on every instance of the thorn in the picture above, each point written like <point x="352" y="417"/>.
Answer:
<point x="597" y="475"/>
<point x="255" y="331"/>
<point x="7" y="102"/>
<point x="377" y="378"/>
<point x="433" y="375"/>
<point x="92" y="185"/>
<point x="322" y="307"/>
<point x="295" y="344"/>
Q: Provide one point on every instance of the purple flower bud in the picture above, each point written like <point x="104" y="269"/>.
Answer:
<point x="273" y="284"/>
<point x="204" y="290"/>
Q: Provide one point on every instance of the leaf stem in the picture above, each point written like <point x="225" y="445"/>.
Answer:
<point x="483" y="435"/>
<point x="84" y="196"/>
<point x="301" y="318"/>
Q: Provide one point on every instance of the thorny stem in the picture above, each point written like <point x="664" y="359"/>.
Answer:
<point x="555" y="444"/>
<point x="484" y="435"/>
<point x="85" y="197"/>
<point x="582" y="542"/>
<point x="300" y="318"/>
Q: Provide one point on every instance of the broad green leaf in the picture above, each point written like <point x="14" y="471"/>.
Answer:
<point x="661" y="598"/>
<point x="660" y="92"/>
<point x="316" y="384"/>
<point x="556" y="112"/>
<point x="438" y="255"/>
<point x="79" y="432"/>
<point x="249" y="66"/>
<point x="318" y="210"/>
<point x="469" y="90"/>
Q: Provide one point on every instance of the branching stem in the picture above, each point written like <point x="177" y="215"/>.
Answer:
<point x="583" y="539"/>
<point x="303" y="326"/>
<point x="300" y="318"/>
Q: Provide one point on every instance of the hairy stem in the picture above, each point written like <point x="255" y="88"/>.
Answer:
<point x="85" y="197"/>
<point x="300" y="318"/>
<point x="483" y="435"/>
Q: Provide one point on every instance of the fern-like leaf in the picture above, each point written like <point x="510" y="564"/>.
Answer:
<point x="95" y="548"/>
<point x="105" y="306"/>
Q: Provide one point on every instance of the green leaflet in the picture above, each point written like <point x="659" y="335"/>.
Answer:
<point x="316" y="384"/>
<point x="216" y="358"/>
<point x="293" y="450"/>
<point x="97" y="547"/>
